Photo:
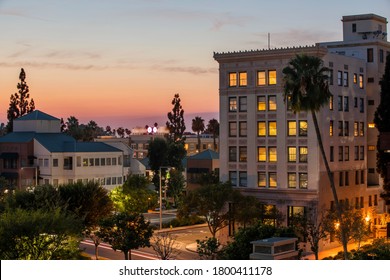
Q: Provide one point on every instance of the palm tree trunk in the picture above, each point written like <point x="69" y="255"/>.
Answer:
<point x="332" y="185"/>
<point x="199" y="142"/>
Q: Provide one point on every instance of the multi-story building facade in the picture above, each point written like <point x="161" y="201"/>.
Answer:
<point x="38" y="153"/>
<point x="270" y="152"/>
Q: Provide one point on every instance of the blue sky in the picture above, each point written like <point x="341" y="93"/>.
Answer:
<point x="119" y="62"/>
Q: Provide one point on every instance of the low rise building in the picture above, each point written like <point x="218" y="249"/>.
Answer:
<point x="36" y="152"/>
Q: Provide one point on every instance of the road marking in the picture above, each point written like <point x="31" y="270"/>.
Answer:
<point x="133" y="252"/>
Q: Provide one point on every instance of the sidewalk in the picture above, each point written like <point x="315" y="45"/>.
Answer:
<point x="334" y="251"/>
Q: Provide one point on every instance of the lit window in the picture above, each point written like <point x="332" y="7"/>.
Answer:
<point x="303" y="180"/>
<point x="272" y="181"/>
<point x="243" y="154"/>
<point x="261" y="179"/>
<point x="292" y="128"/>
<point x="361" y="130"/>
<point x="232" y="104"/>
<point x="292" y="180"/>
<point x="302" y="128"/>
<point x="272" y="103"/>
<point x="356" y="129"/>
<point x="346" y="153"/>
<point x="292" y="154"/>
<point x="331" y="102"/>
<point x="361" y="81"/>
<point x="261" y="131"/>
<point x="272" y="130"/>
<point x="355" y="78"/>
<point x="370" y="125"/>
<point x="243" y="79"/>
<point x="272" y="77"/>
<point x="262" y="154"/>
<point x="261" y="105"/>
<point x="232" y="79"/>
<point x="272" y="154"/>
<point x="302" y="154"/>
<point x="371" y="147"/>
<point x="261" y="78"/>
<point x="331" y="128"/>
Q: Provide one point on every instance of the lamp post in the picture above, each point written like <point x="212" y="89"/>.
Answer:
<point x="160" y="193"/>
<point x="36" y="172"/>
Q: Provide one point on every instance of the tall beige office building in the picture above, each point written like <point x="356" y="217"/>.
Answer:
<point x="271" y="153"/>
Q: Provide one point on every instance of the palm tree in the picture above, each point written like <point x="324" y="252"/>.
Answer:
<point x="306" y="89"/>
<point x="213" y="128"/>
<point x="198" y="127"/>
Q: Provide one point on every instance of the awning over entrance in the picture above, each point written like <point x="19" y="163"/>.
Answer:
<point x="10" y="175"/>
<point x="9" y="155"/>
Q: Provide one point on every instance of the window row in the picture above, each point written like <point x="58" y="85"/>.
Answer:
<point x="343" y="128"/>
<point x="343" y="79"/>
<point x="85" y="162"/>
<point x="101" y="181"/>
<point x="269" y="179"/>
<point x="343" y="153"/>
<point x="343" y="103"/>
<point x="268" y="128"/>
<point x="264" y="77"/>
<point x="264" y="103"/>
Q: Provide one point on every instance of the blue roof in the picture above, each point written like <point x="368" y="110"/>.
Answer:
<point x="58" y="142"/>
<point x="37" y="115"/>
<point x="206" y="154"/>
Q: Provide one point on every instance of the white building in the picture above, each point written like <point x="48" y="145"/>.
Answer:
<point x="37" y="147"/>
<point x="269" y="152"/>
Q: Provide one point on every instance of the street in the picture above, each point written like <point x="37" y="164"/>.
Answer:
<point x="185" y="237"/>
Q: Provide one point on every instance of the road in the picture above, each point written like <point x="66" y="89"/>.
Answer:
<point x="184" y="237"/>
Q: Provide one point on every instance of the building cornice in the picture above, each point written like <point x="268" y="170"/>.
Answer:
<point x="287" y="52"/>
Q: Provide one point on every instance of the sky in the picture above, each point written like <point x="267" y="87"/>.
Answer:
<point x="120" y="62"/>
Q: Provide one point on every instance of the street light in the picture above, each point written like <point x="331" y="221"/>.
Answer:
<point x="165" y="167"/>
<point x="36" y="172"/>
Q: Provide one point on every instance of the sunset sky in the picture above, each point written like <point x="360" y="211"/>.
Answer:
<point x="120" y="62"/>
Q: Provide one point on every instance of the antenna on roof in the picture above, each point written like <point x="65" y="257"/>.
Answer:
<point x="269" y="40"/>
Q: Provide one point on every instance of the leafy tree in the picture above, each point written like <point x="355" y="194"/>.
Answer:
<point x="134" y="196"/>
<point x="157" y="154"/>
<point x="176" y="184"/>
<point x="211" y="201"/>
<point x="208" y="248"/>
<point x="20" y="103"/>
<point x="198" y="127"/>
<point x="240" y="248"/>
<point x="311" y="228"/>
<point x="306" y="89"/>
<point x="73" y="128"/>
<point x="165" y="246"/>
<point x="354" y="224"/>
<point x="38" y="235"/>
<point x="247" y="210"/>
<point x="176" y="123"/>
<point x="126" y="232"/>
<point x="90" y="202"/>
<point x="175" y="155"/>
<point x="213" y="128"/>
<point x="381" y="120"/>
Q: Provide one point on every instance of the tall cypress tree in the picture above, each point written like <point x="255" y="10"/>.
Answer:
<point x="175" y="123"/>
<point x="381" y="119"/>
<point x="19" y="104"/>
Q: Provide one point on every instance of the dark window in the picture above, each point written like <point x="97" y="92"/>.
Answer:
<point x="370" y="55"/>
<point x="354" y="27"/>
